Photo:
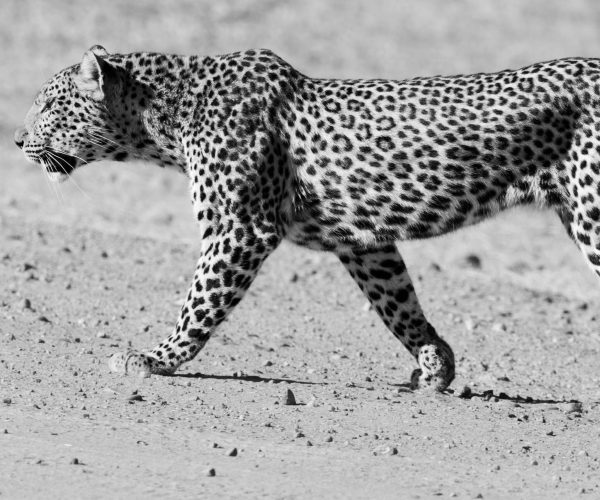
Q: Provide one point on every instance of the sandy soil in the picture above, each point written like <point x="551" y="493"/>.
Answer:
<point x="103" y="263"/>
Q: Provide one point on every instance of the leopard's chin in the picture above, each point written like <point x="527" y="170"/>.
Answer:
<point x="57" y="177"/>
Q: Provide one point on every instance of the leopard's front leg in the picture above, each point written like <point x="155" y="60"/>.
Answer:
<point x="232" y="253"/>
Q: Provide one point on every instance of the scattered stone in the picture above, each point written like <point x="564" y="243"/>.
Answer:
<point x="210" y="472"/>
<point x="232" y="452"/>
<point x="28" y="267"/>
<point x="465" y="393"/>
<point x="473" y="260"/>
<point x="328" y="439"/>
<point x="102" y="335"/>
<point x="267" y="363"/>
<point x="385" y="450"/>
<point x="499" y="327"/>
<point x="135" y="397"/>
<point x="7" y="401"/>
<point x="27" y="304"/>
<point x="312" y="403"/>
<point x="435" y="267"/>
<point x="573" y="407"/>
<point x="469" y="324"/>
<point x="308" y="443"/>
<point x="294" y="278"/>
<point x="299" y="434"/>
<point x="214" y="445"/>
<point x="290" y="399"/>
<point x="74" y="461"/>
<point x="43" y="319"/>
<point x="487" y="395"/>
<point x="368" y="379"/>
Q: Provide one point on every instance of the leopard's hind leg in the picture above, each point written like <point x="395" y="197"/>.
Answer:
<point x="382" y="276"/>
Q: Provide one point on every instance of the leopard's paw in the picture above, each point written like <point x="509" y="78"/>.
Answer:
<point x="130" y="363"/>
<point x="436" y="370"/>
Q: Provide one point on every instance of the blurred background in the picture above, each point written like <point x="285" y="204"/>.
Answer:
<point x="334" y="38"/>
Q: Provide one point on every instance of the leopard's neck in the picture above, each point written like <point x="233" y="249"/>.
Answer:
<point x="160" y="95"/>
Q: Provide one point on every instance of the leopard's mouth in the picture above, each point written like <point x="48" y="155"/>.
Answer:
<point x="58" y="165"/>
<point x="56" y="162"/>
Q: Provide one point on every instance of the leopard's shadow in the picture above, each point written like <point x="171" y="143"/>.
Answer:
<point x="489" y="394"/>
<point x="528" y="400"/>
<point x="247" y="378"/>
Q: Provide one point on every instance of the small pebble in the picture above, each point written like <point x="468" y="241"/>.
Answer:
<point x="308" y="443"/>
<point x="74" y="461"/>
<point x="473" y="261"/>
<point x="232" y="452"/>
<point x="385" y="450"/>
<point x="574" y="407"/>
<point x="465" y="393"/>
<point x="328" y="439"/>
<point x="135" y="397"/>
<point x="214" y="445"/>
<point x="7" y="401"/>
<point x="487" y="395"/>
<point x="289" y="399"/>
<point x="267" y="363"/>
<point x="26" y="304"/>
<point x="43" y="319"/>
<point x="210" y="472"/>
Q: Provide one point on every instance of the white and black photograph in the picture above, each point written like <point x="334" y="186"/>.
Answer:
<point x="284" y="249"/>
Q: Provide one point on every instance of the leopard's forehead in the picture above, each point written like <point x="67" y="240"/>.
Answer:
<point x="59" y="83"/>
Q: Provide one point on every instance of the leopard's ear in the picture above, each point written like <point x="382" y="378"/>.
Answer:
<point x="95" y="76"/>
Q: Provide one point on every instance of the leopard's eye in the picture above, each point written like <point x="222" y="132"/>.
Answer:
<point x="45" y="104"/>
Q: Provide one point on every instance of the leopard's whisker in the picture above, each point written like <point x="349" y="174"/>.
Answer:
<point x="60" y="165"/>
<point x="85" y="162"/>
<point x="49" y="182"/>
<point x="94" y="135"/>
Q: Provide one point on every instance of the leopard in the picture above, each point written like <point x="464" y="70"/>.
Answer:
<point x="347" y="166"/>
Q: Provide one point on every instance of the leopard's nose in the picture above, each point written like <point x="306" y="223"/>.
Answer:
<point x="20" y="135"/>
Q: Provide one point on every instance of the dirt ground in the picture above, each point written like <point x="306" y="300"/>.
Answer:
<point x="103" y="262"/>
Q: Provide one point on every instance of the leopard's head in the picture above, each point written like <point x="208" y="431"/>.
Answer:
<point x="78" y="117"/>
